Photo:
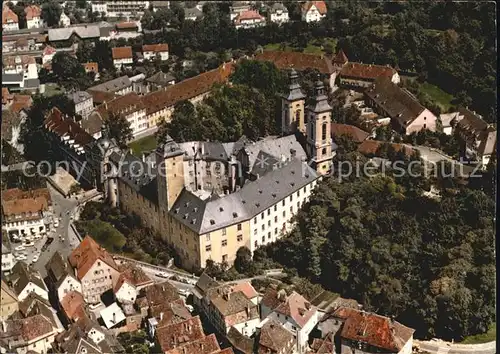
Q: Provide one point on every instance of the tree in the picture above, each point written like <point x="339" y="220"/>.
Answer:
<point x="119" y="129"/>
<point x="51" y="12"/>
<point x="243" y="262"/>
<point x="183" y="126"/>
<point x="69" y="71"/>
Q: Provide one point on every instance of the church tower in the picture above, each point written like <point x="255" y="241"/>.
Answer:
<point x="292" y="107"/>
<point x="319" y="138"/>
<point x="339" y="61"/>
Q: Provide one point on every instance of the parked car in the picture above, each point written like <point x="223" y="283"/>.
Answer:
<point x="162" y="275"/>
<point x="35" y="258"/>
<point x="183" y="292"/>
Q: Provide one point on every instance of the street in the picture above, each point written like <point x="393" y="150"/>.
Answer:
<point x="441" y="347"/>
<point x="61" y="206"/>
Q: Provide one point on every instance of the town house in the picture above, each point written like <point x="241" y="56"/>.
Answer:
<point x="83" y="101"/>
<point x="153" y="51"/>
<point x="24" y="281"/>
<point x="406" y="113"/>
<point x="8" y="260"/>
<point x="61" y="277"/>
<point x="132" y="279"/>
<point x="9" y="303"/>
<point x="33" y="16"/>
<point x="278" y="13"/>
<point x="122" y="56"/>
<point x="95" y="269"/>
<point x="26" y="213"/>
<point x="10" y="21"/>
<point x="313" y="11"/>
<point x="249" y="19"/>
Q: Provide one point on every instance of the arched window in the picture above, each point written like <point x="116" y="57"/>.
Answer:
<point x="323" y="132"/>
<point x="297" y="117"/>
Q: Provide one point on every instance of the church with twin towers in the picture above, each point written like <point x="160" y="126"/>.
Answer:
<point x="311" y="122"/>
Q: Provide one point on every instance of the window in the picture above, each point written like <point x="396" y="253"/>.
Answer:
<point x="276" y="231"/>
<point x="208" y="237"/>
<point x="284" y="213"/>
<point x="268" y="212"/>
<point x="224" y="243"/>
<point x="263" y="239"/>
<point x="208" y="164"/>
<point x="255" y="221"/>
<point x="291" y="210"/>
<point x="255" y="232"/>
<point x="262" y="216"/>
<point x="268" y="235"/>
<point x="208" y="248"/>
<point x="240" y="238"/>
<point x="298" y="193"/>
<point x="425" y="125"/>
<point x="255" y="243"/>
<point x="298" y="205"/>
<point x="275" y="207"/>
<point x="283" y="203"/>
<point x="323" y="131"/>
<point x="291" y="197"/>
<point x="239" y="227"/>
<point x="275" y="219"/>
<point x="223" y="232"/>
<point x="263" y="227"/>
<point x="224" y="257"/>
<point x="98" y="264"/>
<point x="209" y="173"/>
<point x="323" y="152"/>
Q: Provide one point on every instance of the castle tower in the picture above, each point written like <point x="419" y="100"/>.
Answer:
<point x="319" y="138"/>
<point x="292" y="107"/>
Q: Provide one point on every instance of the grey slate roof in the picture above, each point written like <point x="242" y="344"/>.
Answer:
<point x="113" y="85"/>
<point x="93" y="123"/>
<point x="278" y="6"/>
<point x="294" y="89"/>
<point x="84" y="32"/>
<point x="206" y="282"/>
<point x="204" y="216"/>
<point x="320" y="103"/>
<point x="264" y="164"/>
<point x="31" y="83"/>
<point x="11" y="78"/>
<point x="6" y="247"/>
<point x="59" y="267"/>
<point x="161" y="79"/>
<point x="21" y="277"/>
<point x="169" y="149"/>
<point x="275" y="147"/>
<point x="79" y="96"/>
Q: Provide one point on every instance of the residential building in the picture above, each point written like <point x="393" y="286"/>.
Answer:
<point x="406" y="113"/>
<point x="122" y="56"/>
<point x="119" y="86"/>
<point x="132" y="279"/>
<point x="26" y="213"/>
<point x="95" y="269"/>
<point x="31" y="334"/>
<point x="298" y="316"/>
<point x="131" y="107"/>
<point x="76" y="33"/>
<point x="313" y="11"/>
<point x="158" y="5"/>
<point x="249" y="19"/>
<point x="61" y="277"/>
<point x="358" y="75"/>
<point x="204" y="345"/>
<point x="8" y="260"/>
<point x="112" y="316"/>
<point x="478" y="138"/>
<point x="20" y="72"/>
<point x="159" y="81"/>
<point x="278" y="13"/>
<point x="92" y="68"/>
<point x="34" y="16"/>
<point x="272" y="337"/>
<point x="25" y="281"/>
<point x="121" y="8"/>
<point x="83" y="101"/>
<point x="160" y="104"/>
<point x="200" y="291"/>
<point x="153" y="51"/>
<point x="177" y="334"/>
<point x="48" y="54"/>
<point x="354" y="133"/>
<point x="192" y="14"/>
<point x="76" y="146"/>
<point x="10" y="21"/>
<point x="238" y="7"/>
<point x="9" y="303"/>
<point x="72" y="305"/>
<point x="64" y="20"/>
<point x="18" y="43"/>
<point x="372" y="333"/>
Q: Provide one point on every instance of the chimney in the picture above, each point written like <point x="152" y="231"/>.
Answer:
<point x="293" y="152"/>
<point x="114" y="317"/>
<point x="105" y="105"/>
<point x="161" y="316"/>
<point x="308" y="306"/>
<point x="248" y="310"/>
<point x="4" y="326"/>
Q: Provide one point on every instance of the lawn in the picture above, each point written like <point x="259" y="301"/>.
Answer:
<point x="482" y="338"/>
<point x="442" y="98"/>
<point x="313" y="47"/>
<point x="145" y="144"/>
<point x="53" y="89"/>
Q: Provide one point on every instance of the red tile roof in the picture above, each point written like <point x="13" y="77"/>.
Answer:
<point x="127" y="25"/>
<point x="205" y="345"/>
<point x="186" y="89"/>
<point x="296" y="60"/>
<point x="371" y="147"/>
<point x="91" y="67"/>
<point x="274" y="338"/>
<point x="298" y="308"/>
<point x="32" y="11"/>
<point x="48" y="50"/>
<point x="246" y="288"/>
<point x="33" y="327"/>
<point x="8" y="15"/>
<point x="121" y="105"/>
<point x="157" y="48"/>
<point x="174" y="335"/>
<point x="366" y="71"/>
<point x="121" y="53"/>
<point x="6" y="95"/>
<point x="73" y="305"/>
<point x="355" y="133"/>
<point x="101" y="96"/>
<point x="161" y="293"/>
<point x="375" y="330"/>
<point x="135" y="276"/>
<point x="16" y="201"/>
<point x="273" y="298"/>
<point x="56" y="123"/>
<point x="86" y="254"/>
<point x="248" y="15"/>
<point x="21" y="102"/>
<point x="320" y="5"/>
<point x="25" y="60"/>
